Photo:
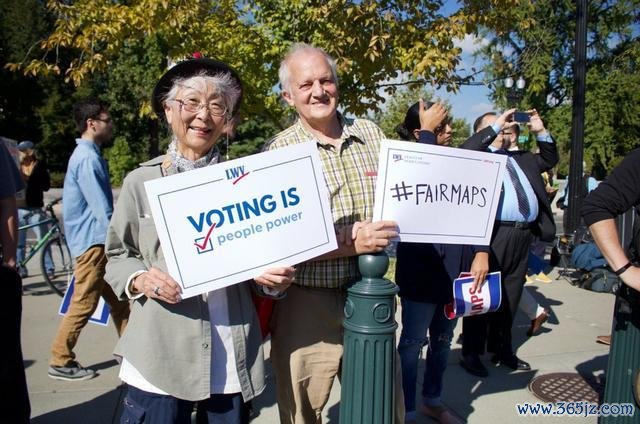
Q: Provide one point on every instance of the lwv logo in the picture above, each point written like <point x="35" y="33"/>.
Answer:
<point x="233" y="173"/>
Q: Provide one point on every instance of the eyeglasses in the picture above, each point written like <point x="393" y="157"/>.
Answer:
<point x="105" y="120"/>
<point x="505" y="133"/>
<point x="194" y="106"/>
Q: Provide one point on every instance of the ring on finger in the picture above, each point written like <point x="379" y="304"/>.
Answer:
<point x="156" y="291"/>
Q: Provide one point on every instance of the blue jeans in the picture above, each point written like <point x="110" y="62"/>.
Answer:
<point x="151" y="408"/>
<point x="417" y="318"/>
<point x="29" y="216"/>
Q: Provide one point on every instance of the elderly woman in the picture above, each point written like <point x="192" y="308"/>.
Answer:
<point x="205" y="349"/>
<point x="424" y="274"/>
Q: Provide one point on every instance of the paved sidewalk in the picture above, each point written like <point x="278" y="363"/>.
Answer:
<point x="566" y="343"/>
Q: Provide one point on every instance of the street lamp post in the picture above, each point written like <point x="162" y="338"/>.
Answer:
<point x="514" y="94"/>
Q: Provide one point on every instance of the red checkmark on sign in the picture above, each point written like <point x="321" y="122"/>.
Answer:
<point x="206" y="239"/>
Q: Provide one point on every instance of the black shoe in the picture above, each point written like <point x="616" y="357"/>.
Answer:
<point x="512" y="362"/>
<point x="473" y="365"/>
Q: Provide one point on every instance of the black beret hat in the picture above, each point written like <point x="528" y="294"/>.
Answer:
<point x="186" y="69"/>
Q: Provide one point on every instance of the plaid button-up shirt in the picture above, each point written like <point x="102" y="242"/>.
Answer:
<point x="350" y="174"/>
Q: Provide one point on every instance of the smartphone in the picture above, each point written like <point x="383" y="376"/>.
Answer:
<point x="519" y="116"/>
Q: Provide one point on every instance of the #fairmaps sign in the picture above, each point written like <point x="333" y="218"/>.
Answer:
<point x="229" y="222"/>
<point x="438" y="194"/>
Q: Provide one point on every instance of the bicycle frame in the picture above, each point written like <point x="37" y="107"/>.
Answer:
<point x="55" y="229"/>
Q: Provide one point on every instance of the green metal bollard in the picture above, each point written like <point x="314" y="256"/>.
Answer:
<point x="624" y="360"/>
<point x="368" y="362"/>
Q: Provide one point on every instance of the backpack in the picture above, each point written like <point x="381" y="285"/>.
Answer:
<point x="587" y="256"/>
<point x="600" y="280"/>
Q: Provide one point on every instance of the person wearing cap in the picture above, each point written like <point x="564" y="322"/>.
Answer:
<point x="205" y="349"/>
<point x="87" y="204"/>
<point x="35" y="174"/>
<point x="425" y="274"/>
<point x="307" y="335"/>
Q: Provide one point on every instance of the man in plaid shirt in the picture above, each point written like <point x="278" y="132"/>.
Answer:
<point x="307" y="335"/>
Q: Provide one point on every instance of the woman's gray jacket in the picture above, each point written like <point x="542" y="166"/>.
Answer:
<point x="170" y="345"/>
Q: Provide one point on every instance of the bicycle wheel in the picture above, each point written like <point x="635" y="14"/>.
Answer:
<point x="58" y="272"/>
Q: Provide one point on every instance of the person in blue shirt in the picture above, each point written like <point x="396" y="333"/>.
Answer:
<point x="587" y="185"/>
<point x="523" y="212"/>
<point x="424" y="274"/>
<point x="87" y="208"/>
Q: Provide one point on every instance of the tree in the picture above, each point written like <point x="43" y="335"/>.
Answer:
<point x="543" y="55"/>
<point x="396" y="110"/>
<point x="250" y="138"/>
<point x="373" y="41"/>
<point x="21" y="26"/>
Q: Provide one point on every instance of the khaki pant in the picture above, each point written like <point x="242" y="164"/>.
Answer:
<point x="306" y="351"/>
<point x="89" y="286"/>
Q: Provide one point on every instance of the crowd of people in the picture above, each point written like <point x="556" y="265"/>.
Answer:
<point x="204" y="353"/>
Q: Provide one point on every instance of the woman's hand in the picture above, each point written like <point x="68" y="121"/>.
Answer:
<point x="479" y="270"/>
<point x="431" y="118"/>
<point x="157" y="284"/>
<point x="279" y="278"/>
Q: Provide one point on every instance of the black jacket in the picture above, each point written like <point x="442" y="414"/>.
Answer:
<point x="38" y="182"/>
<point x="533" y="165"/>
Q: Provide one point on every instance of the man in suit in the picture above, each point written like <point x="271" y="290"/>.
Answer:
<point x="523" y="212"/>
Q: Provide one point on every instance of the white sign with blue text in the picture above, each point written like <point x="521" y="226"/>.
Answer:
<point x="438" y="194"/>
<point x="229" y="222"/>
<point x="100" y="315"/>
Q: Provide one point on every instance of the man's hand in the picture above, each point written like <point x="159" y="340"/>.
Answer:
<point x="373" y="237"/>
<point x="507" y="116"/>
<point x="278" y="278"/>
<point x="157" y="284"/>
<point x="348" y="233"/>
<point x="432" y="117"/>
<point x="479" y="270"/>
<point x="535" y="124"/>
<point x="631" y="277"/>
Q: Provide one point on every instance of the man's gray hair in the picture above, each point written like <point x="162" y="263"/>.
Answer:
<point x="284" y="74"/>
<point x="224" y="85"/>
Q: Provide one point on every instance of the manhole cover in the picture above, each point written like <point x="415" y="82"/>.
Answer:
<point x="566" y="387"/>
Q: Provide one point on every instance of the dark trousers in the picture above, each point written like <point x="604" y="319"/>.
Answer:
<point x="14" y="403"/>
<point x="150" y="408"/>
<point x="509" y="254"/>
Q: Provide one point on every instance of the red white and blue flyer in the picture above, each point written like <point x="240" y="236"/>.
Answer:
<point x="468" y="302"/>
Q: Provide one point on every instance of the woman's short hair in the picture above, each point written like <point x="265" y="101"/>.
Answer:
<point x="224" y="85"/>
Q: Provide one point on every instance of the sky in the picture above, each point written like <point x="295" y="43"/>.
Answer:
<point x="470" y="101"/>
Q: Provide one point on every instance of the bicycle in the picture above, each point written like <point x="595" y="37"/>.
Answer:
<point x="57" y="274"/>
